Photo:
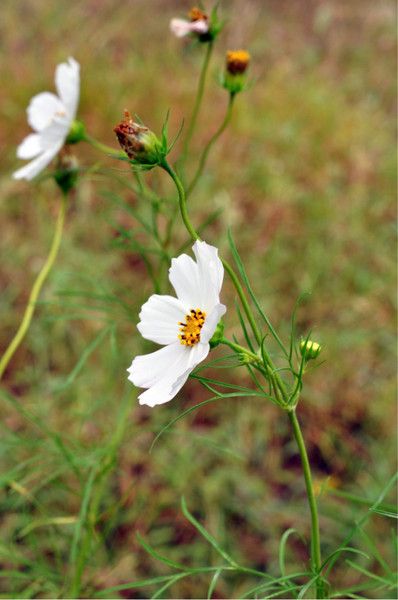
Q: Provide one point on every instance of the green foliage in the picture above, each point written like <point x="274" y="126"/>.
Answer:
<point x="302" y="179"/>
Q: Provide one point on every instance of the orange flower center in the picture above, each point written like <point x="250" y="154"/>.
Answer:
<point x="237" y="61"/>
<point x="195" y="14"/>
<point x="190" y="330"/>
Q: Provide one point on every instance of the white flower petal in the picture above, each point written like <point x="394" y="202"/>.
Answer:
<point x="200" y="26"/>
<point x="211" y="322"/>
<point x="55" y="134"/>
<point x="42" y="109"/>
<point x="145" y="371"/>
<point x="211" y="273"/>
<point x="67" y="82"/>
<point x="29" y="147"/>
<point x="33" y="168"/>
<point x="160" y="316"/>
<point x="184" y="277"/>
<point x="170" y="384"/>
<point x="181" y="27"/>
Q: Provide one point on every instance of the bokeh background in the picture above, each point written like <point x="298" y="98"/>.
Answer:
<point x="305" y="177"/>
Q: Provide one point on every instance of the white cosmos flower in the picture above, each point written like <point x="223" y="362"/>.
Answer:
<point x="51" y="117"/>
<point x="182" y="27"/>
<point x="183" y="325"/>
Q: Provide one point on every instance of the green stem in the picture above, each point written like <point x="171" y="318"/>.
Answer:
<point x="195" y="236"/>
<point x="358" y="500"/>
<point x="182" y="200"/>
<point x="315" y="537"/>
<point x="241" y="349"/>
<point x="198" y="101"/>
<point x="208" y="147"/>
<point x="29" y="311"/>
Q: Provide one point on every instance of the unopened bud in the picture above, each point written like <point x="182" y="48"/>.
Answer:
<point x="140" y="144"/>
<point x="236" y="65"/>
<point x="309" y="350"/>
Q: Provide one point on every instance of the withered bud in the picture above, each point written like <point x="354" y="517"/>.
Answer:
<point x="138" y="142"/>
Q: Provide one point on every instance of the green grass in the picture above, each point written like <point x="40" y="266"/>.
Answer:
<point x="305" y="178"/>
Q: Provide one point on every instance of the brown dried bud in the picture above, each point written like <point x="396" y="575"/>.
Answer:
<point x="138" y="142"/>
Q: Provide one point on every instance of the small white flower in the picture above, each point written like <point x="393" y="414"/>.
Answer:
<point x="184" y="325"/>
<point x="182" y="27"/>
<point x="51" y="117"/>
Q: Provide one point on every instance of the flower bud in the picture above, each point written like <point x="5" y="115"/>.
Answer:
<point x="67" y="171"/>
<point x="309" y="350"/>
<point x="76" y="133"/>
<point x="139" y="143"/>
<point x="236" y="65"/>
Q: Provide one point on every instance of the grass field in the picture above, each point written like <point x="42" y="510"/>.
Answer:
<point x="305" y="178"/>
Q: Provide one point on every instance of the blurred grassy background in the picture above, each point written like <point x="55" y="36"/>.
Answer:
<point x="305" y="176"/>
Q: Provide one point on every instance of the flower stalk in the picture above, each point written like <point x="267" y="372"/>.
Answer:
<point x="198" y="101"/>
<point x="211" y="142"/>
<point x="36" y="289"/>
<point x="315" y="536"/>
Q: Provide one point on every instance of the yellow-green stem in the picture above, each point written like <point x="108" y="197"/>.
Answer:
<point x="34" y="294"/>
<point x="315" y="537"/>
<point x="208" y="147"/>
<point x="103" y="147"/>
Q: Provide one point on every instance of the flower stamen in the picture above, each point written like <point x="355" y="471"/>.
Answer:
<point x="190" y="330"/>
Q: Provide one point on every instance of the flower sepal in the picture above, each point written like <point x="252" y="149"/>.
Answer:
<point x="218" y="335"/>
<point x="215" y="26"/>
<point x="67" y="172"/>
<point x="77" y="133"/>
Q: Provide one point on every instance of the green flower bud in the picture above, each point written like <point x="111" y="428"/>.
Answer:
<point x="309" y="350"/>
<point x="140" y="144"/>
<point x="76" y="133"/>
<point x="67" y="171"/>
<point x="234" y="79"/>
<point x="217" y="335"/>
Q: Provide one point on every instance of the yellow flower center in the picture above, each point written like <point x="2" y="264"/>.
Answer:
<point x="190" y="330"/>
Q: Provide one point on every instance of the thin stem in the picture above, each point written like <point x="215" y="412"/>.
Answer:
<point x="103" y="147"/>
<point x="316" y="561"/>
<point x="211" y="142"/>
<point x="243" y="299"/>
<point x="240" y="349"/>
<point x="198" y="101"/>
<point x="29" y="311"/>
<point x="195" y="236"/>
<point x="182" y="200"/>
